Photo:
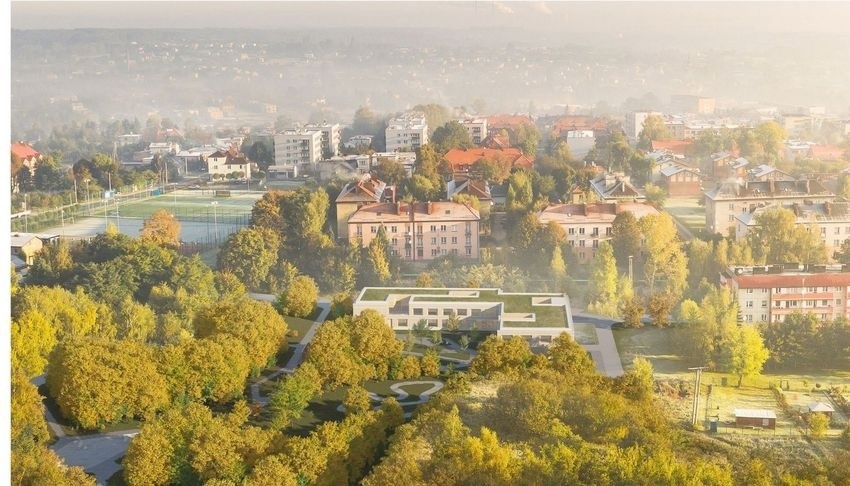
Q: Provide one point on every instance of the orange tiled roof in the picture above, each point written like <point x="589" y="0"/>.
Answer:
<point x="508" y="121"/>
<point x="568" y="123"/>
<point x="798" y="280"/>
<point x="496" y="141"/>
<point x="461" y="159"/>
<point x="24" y="151"/>
<point x="677" y="147"/>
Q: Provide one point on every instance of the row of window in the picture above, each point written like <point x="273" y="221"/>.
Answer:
<point x="420" y="252"/>
<point x="393" y="229"/>
<point x="793" y="303"/>
<point x="433" y="311"/>
<point x="776" y="318"/>
<point x="594" y="232"/>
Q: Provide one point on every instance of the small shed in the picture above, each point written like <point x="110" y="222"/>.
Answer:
<point x="749" y="417"/>
<point x="821" y="407"/>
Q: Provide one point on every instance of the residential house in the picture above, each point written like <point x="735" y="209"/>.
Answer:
<point x="679" y="148"/>
<point x="28" y="155"/>
<point x="365" y="190"/>
<point x="615" y="186"/>
<point x="164" y="148"/>
<point x="282" y="172"/>
<point x="509" y="123"/>
<point x="734" y="197"/>
<point x="462" y="160"/>
<point x="678" y="178"/>
<point x="770" y="293"/>
<point x="589" y="224"/>
<point x="827" y="152"/>
<point x="699" y="105"/>
<point x="129" y="139"/>
<point x="830" y="220"/>
<point x="795" y="149"/>
<point x="465" y="185"/>
<point x="221" y="163"/>
<point x="358" y="141"/>
<point x="419" y="231"/>
<point x="407" y="132"/>
<point x="497" y="141"/>
<point x="26" y="245"/>
<point x="537" y="317"/>
<point x="580" y="142"/>
<point x="765" y="172"/>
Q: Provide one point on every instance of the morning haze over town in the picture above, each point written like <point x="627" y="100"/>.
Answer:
<point x="429" y="243"/>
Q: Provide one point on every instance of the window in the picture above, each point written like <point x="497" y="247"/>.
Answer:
<point x="420" y="252"/>
<point x="359" y="230"/>
<point x="462" y="312"/>
<point x="777" y="290"/>
<point x="824" y="303"/>
<point x="434" y="252"/>
<point x="609" y="231"/>
<point x="749" y="318"/>
<point x="393" y="229"/>
<point x="823" y="231"/>
<point x="837" y="301"/>
<point x="749" y="303"/>
<point x="402" y="322"/>
<point x="837" y="231"/>
<point x="433" y="311"/>
<point x="447" y="312"/>
<point x="581" y="231"/>
<point x="454" y="240"/>
<point x="764" y="317"/>
<point x="468" y="251"/>
<point x="749" y="291"/>
<point x="454" y="228"/>
<point x="432" y="322"/>
<point x="580" y="242"/>
<point x="764" y="303"/>
<point x="571" y="242"/>
<point x="454" y="251"/>
<point x="595" y="232"/>
<point x="407" y="252"/>
<point x="442" y="227"/>
<point x="571" y="231"/>
<point x="596" y="243"/>
<point x="395" y="241"/>
<point x="417" y="311"/>
<point x="374" y="229"/>
<point x="434" y="240"/>
<point x="443" y="240"/>
<point x="433" y="227"/>
<point x="732" y="206"/>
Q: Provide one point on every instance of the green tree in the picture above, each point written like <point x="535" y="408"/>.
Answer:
<point x="777" y="238"/>
<point x="666" y="261"/>
<point x="390" y="171"/>
<point x="771" y="136"/>
<point x="601" y="294"/>
<point x="377" y="262"/>
<point x="249" y="254"/>
<point x="655" y="195"/>
<point x="632" y="311"/>
<point x="293" y="394"/>
<point x="451" y="135"/>
<point x="498" y="355"/>
<point x="655" y="129"/>
<point x="299" y="299"/>
<point x="212" y="369"/>
<point x="430" y="363"/>
<point x="818" y="425"/>
<point x="519" y="196"/>
<point x="134" y="321"/>
<point x="748" y="353"/>
<point x="162" y="228"/>
<point x="557" y="267"/>
<point x="526" y="137"/>
<point x="53" y="265"/>
<point x="495" y="169"/>
<point x="625" y="238"/>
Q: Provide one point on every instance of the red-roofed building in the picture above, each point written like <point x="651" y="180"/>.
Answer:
<point x="769" y="293"/>
<point x="497" y="123"/>
<point x="681" y="148"/>
<point x="578" y="123"/>
<point x="462" y="159"/>
<point x="28" y="155"/>
<point x="497" y="141"/>
<point x="222" y="163"/>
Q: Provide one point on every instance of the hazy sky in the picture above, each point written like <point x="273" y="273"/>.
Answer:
<point x="727" y="18"/>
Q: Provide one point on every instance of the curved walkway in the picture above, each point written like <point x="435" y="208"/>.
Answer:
<point x="604" y="353"/>
<point x="401" y="395"/>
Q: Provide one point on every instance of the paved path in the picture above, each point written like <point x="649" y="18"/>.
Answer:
<point x="97" y="454"/>
<point x="57" y="429"/>
<point x="401" y="395"/>
<point x="297" y="356"/>
<point x="605" y="352"/>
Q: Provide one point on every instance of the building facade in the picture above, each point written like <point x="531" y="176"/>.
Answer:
<point x="221" y="163"/>
<point x="330" y="138"/>
<point x="539" y="318"/>
<point x="419" y="231"/>
<point x="364" y="191"/>
<point x="587" y="225"/>
<point x="770" y="293"/>
<point x="730" y="199"/>
<point x="298" y="147"/>
<point x="407" y="132"/>
<point x="476" y="127"/>
<point x="830" y="221"/>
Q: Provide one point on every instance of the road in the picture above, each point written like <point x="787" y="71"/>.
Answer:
<point x="605" y="353"/>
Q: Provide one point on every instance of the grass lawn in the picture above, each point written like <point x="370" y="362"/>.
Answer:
<point x="585" y="333"/>
<point x="210" y="257"/>
<point x="688" y="212"/>
<point x="188" y="205"/>
<point x="656" y="345"/>
<point x="300" y="326"/>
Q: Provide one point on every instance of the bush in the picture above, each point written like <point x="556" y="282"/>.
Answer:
<point x="818" y="425"/>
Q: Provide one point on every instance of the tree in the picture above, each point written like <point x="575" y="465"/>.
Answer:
<point x="430" y="363"/>
<point x="520" y="194"/>
<point x="33" y="338"/>
<point x="625" y="237"/>
<point x="655" y="129"/>
<point x="569" y="358"/>
<point x="249" y="254"/>
<point x="494" y="169"/>
<point x="97" y="382"/>
<point x="377" y="261"/>
<point x="771" y="136"/>
<point x="299" y="298"/>
<point x="526" y="137"/>
<point x="134" y="321"/>
<point x="777" y="238"/>
<point x="666" y="261"/>
<point x="748" y="352"/>
<point x="422" y="188"/>
<point x="601" y="294"/>
<point x="390" y="171"/>
<point x="212" y="369"/>
<point x="498" y="355"/>
<point x="818" y="425"/>
<point x="436" y="115"/>
<point x="267" y="212"/>
<point x="256" y="324"/>
<point x="557" y="267"/>
<point x="162" y="228"/>
<point x="655" y="195"/>
<point x="451" y="135"/>
<point x="293" y="394"/>
<point x="632" y="311"/>
<point x="659" y="308"/>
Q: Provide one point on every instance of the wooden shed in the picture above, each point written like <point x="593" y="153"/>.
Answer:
<point x="820" y="407"/>
<point x="749" y="417"/>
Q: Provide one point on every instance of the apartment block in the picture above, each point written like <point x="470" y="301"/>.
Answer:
<point x="587" y="225"/>
<point x="770" y="293"/>
<point x="729" y="199"/>
<point x="330" y="138"/>
<point x="298" y="147"/>
<point x="419" y="231"/>
<point x="537" y="317"/>
<point x="407" y="132"/>
<point x="477" y="128"/>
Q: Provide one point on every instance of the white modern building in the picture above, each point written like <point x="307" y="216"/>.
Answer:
<point x="298" y="147"/>
<point x="330" y="138"/>
<point x="537" y="317"/>
<point x="407" y="133"/>
<point x="358" y="141"/>
<point x="634" y="122"/>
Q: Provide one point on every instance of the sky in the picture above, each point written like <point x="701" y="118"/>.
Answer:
<point x="684" y="18"/>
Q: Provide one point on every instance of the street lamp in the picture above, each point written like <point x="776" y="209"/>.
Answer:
<point x="631" y="257"/>
<point x="215" y="219"/>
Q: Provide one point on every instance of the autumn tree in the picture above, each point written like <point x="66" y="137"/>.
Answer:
<point x="33" y="338"/>
<point x="748" y="353"/>
<point x="777" y="238"/>
<point x="499" y="355"/>
<point x="212" y="369"/>
<point x="299" y="298"/>
<point x="377" y="271"/>
<point x="449" y="136"/>
<point x="390" y="171"/>
<point x="601" y="296"/>
<point x="293" y="393"/>
<point x="666" y="262"/>
<point x="625" y="237"/>
<point x="494" y="169"/>
<point x="249" y="254"/>
<point x="162" y="228"/>
<point x="430" y="363"/>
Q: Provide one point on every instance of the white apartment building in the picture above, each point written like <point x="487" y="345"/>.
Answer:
<point x="330" y="137"/>
<point x="477" y="128"/>
<point x="580" y="142"/>
<point x="358" y="141"/>
<point x="407" y="133"/>
<point x="769" y="293"/>
<point x="298" y="147"/>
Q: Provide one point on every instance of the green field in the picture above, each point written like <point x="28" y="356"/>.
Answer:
<point x="688" y="212"/>
<point x="188" y="206"/>
<point x="300" y="326"/>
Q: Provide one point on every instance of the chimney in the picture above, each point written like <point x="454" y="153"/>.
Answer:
<point x="430" y="207"/>
<point x="397" y="208"/>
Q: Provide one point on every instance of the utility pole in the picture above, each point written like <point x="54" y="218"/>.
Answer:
<point x="698" y="377"/>
<point x="631" y="257"/>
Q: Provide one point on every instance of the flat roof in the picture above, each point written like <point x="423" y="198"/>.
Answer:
<point x="754" y="413"/>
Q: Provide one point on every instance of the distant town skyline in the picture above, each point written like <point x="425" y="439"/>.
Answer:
<point x="622" y="18"/>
